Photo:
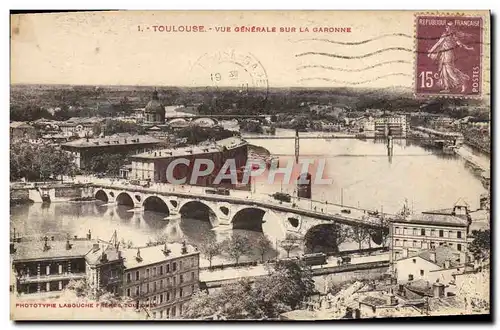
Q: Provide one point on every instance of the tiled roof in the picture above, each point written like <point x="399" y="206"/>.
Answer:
<point x="374" y="301"/>
<point x="94" y="257"/>
<point x="204" y="148"/>
<point x="18" y="124"/>
<point x="443" y="253"/>
<point x="434" y="219"/>
<point x="154" y="254"/>
<point x="112" y="140"/>
<point x="57" y="249"/>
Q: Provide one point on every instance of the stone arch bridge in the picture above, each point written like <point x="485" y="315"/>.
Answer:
<point x="240" y="210"/>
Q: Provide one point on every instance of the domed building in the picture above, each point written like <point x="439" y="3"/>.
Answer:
<point x="154" y="113"/>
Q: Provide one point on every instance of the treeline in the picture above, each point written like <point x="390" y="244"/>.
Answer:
<point x="39" y="162"/>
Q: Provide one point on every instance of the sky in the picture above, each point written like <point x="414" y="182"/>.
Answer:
<point x="122" y="48"/>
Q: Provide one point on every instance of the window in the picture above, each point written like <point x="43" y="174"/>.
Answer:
<point x="154" y="315"/>
<point x="147" y="272"/>
<point x="168" y="313"/>
<point x="192" y="276"/>
<point x="433" y="232"/>
<point x="441" y="233"/>
<point x="180" y="265"/>
<point x="161" y="284"/>
<point x="161" y="314"/>
<point x="174" y="266"/>
<point x="459" y="247"/>
<point x="192" y="289"/>
<point x="154" y="271"/>
<point x="414" y="261"/>
<point x="128" y="292"/>
<point x="422" y="272"/>
<point x="397" y="230"/>
<point x="161" y="270"/>
<point x="459" y="234"/>
<point x="422" y="232"/>
<point x="168" y="269"/>
<point x="415" y="244"/>
<point x="410" y="277"/>
<point x="168" y="296"/>
<point x="415" y="232"/>
<point x="405" y="231"/>
<point x="180" y="309"/>
<point x="181" y="278"/>
<point x="173" y="311"/>
<point x="174" y="281"/>
<point x="397" y="242"/>
<point x="154" y="287"/>
<point x="154" y="300"/>
<point x="137" y="290"/>
<point x="181" y="291"/>
<point x="161" y="298"/>
<point x="129" y="278"/>
<point x="147" y="288"/>
<point x="137" y="275"/>
<point x="405" y="242"/>
<point x="441" y="243"/>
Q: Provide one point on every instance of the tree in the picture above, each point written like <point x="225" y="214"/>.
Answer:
<point x="109" y="163"/>
<point x="35" y="161"/>
<point x="288" y="284"/>
<point x="480" y="246"/>
<point x="210" y="249"/>
<point x="264" y="245"/>
<point x="359" y="235"/>
<point x="236" y="246"/>
<point x="289" y="244"/>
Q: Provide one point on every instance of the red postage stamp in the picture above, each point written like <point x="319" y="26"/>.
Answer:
<point x="448" y="55"/>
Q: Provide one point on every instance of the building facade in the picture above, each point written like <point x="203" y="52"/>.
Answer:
<point x="49" y="266"/>
<point x="393" y="125"/>
<point x="84" y="150"/>
<point x="154" y="113"/>
<point x="22" y="130"/>
<point x="429" y="230"/>
<point x="161" y="278"/>
<point x="153" y="165"/>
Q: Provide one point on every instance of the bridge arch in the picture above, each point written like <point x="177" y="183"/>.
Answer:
<point x="155" y="204"/>
<point x="124" y="198"/>
<point x="205" y="122"/>
<point x="101" y="195"/>
<point x="323" y="238"/>
<point x="249" y="218"/>
<point x="199" y="210"/>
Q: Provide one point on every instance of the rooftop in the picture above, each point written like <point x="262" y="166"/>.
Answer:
<point x="442" y="253"/>
<point x="104" y="254"/>
<point x="140" y="257"/>
<point x="20" y="124"/>
<point x="112" y="140"/>
<point x="26" y="251"/>
<point x="203" y="148"/>
<point x="430" y="218"/>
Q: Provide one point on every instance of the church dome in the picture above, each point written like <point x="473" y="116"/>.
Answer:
<point x="155" y="105"/>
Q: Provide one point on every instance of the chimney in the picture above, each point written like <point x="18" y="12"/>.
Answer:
<point x="138" y="256"/>
<point x="95" y="247"/>
<point x="184" y="248"/>
<point x="104" y="257"/>
<point x="165" y="250"/>
<point x="119" y="254"/>
<point x="46" y="246"/>
<point x="438" y="289"/>
<point x="447" y="263"/>
<point x="392" y="300"/>
<point x="68" y="246"/>
<point x="89" y="235"/>
<point x="432" y="256"/>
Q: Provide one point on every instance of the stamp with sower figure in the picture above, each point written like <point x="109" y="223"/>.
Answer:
<point x="448" y="55"/>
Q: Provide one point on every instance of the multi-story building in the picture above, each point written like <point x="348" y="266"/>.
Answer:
<point x="162" y="278"/>
<point x="122" y="144"/>
<point x="153" y="164"/>
<point x="428" y="230"/>
<point x="49" y="265"/>
<point x="104" y="268"/>
<point x="393" y="125"/>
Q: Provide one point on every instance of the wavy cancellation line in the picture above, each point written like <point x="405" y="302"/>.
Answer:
<point x="326" y="67"/>
<point x="355" y="43"/>
<point x="353" y="83"/>
<point x="380" y="51"/>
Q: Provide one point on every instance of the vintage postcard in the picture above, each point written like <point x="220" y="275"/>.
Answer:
<point x="250" y="165"/>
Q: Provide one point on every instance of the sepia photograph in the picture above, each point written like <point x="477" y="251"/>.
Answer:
<point x="250" y="165"/>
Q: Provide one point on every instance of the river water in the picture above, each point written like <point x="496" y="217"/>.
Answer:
<point x="362" y="173"/>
